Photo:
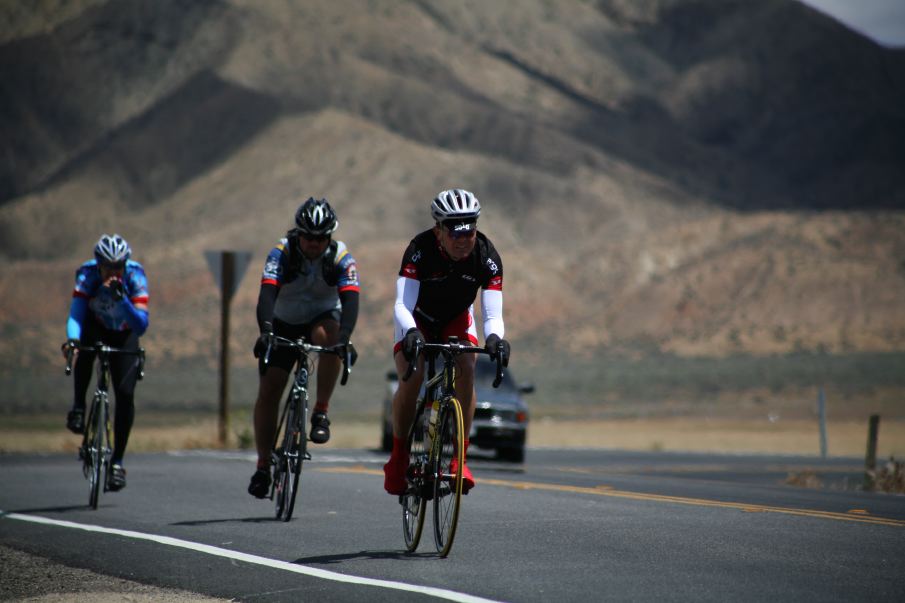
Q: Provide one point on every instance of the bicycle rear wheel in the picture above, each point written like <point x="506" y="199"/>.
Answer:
<point x="289" y="462"/>
<point x="93" y="448"/>
<point x="447" y="469"/>
<point x="413" y="501"/>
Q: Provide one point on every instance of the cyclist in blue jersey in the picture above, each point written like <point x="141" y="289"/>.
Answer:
<point x="109" y="306"/>
<point x="309" y="289"/>
<point x="442" y="270"/>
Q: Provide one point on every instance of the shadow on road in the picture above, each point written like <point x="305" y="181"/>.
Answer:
<point x="362" y="555"/>
<point x="53" y="509"/>
<point x="203" y="522"/>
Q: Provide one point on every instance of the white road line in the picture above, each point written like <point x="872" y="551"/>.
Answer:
<point x="254" y="559"/>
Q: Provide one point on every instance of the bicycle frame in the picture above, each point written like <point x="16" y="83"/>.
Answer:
<point x="290" y="445"/>
<point x="95" y="451"/>
<point x="432" y="473"/>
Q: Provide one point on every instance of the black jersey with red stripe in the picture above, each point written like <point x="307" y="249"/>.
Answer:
<point x="447" y="287"/>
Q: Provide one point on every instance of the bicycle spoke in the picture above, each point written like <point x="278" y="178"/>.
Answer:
<point x="448" y="470"/>
<point x="413" y="502"/>
<point x="96" y="449"/>
<point x="290" y="457"/>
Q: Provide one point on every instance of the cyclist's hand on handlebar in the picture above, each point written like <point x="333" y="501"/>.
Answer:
<point x="345" y="348"/>
<point x="261" y="343"/>
<point x="494" y="345"/>
<point x="69" y="344"/>
<point x="412" y="341"/>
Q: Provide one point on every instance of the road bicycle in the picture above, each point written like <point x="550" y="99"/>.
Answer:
<point x="96" y="450"/>
<point x="436" y="447"/>
<point x="290" y="445"/>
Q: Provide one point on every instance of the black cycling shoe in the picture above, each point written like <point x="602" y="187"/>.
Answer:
<point x="75" y="421"/>
<point x="320" y="428"/>
<point x="116" y="479"/>
<point x="260" y="484"/>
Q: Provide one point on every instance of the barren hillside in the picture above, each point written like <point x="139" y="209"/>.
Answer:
<point x="703" y="177"/>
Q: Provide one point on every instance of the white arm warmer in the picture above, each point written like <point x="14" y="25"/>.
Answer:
<point x="406" y="298"/>
<point x="492" y="308"/>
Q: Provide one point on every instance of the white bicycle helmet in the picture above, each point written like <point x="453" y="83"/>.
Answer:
<point x="455" y="204"/>
<point x="112" y="249"/>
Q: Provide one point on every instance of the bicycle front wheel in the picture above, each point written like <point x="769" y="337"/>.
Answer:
<point x="94" y="445"/>
<point x="413" y="501"/>
<point x="447" y="464"/>
<point x="289" y="461"/>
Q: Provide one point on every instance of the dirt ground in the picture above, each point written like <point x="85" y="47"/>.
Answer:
<point x="25" y="577"/>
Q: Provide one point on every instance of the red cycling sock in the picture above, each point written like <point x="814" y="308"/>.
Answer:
<point x="400" y="448"/>
<point x="321" y="407"/>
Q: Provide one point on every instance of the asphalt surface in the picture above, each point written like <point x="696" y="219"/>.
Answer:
<point x="569" y="525"/>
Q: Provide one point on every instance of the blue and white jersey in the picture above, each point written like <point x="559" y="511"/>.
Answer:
<point x="101" y="305"/>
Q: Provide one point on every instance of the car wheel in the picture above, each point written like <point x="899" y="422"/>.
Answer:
<point x="513" y="455"/>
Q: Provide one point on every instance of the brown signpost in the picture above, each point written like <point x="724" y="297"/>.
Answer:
<point x="227" y="268"/>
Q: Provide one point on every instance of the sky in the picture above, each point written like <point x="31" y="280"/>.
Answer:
<point x="881" y="20"/>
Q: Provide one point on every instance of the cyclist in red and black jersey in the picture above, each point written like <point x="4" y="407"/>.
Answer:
<point x="442" y="271"/>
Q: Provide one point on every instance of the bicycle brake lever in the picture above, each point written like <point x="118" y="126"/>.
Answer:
<point x="347" y="360"/>
<point x="409" y="371"/>
<point x="141" y="364"/>
<point x="269" y="347"/>
<point x="499" y="371"/>
<point x="413" y="362"/>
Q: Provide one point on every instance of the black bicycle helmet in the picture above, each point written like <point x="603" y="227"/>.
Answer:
<point x="315" y="216"/>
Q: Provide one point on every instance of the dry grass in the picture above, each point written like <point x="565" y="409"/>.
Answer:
<point x="890" y="477"/>
<point x="701" y="435"/>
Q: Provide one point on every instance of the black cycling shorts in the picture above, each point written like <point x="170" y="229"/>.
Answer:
<point x="284" y="356"/>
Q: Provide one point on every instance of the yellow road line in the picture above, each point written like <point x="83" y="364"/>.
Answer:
<point x="857" y="515"/>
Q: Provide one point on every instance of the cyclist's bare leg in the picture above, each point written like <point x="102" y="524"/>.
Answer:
<point x="326" y="333"/>
<point x="406" y="396"/>
<point x="465" y="390"/>
<point x="270" y="389"/>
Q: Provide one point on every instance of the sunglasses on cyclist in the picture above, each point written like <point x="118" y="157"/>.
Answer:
<point x="317" y="238"/>
<point x="458" y="230"/>
<point x="112" y="266"/>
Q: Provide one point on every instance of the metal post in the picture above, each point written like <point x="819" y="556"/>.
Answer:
<point x="870" y="462"/>
<point x="226" y="292"/>
<point x="821" y="412"/>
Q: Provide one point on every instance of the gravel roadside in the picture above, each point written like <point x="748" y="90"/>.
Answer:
<point x="26" y="577"/>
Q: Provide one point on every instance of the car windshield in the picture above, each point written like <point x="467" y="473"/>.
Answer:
<point x="485" y="373"/>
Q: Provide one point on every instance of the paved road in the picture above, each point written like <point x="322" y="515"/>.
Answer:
<point x="571" y="525"/>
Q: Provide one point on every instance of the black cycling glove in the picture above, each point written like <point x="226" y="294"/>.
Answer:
<point x="261" y="343"/>
<point x="116" y="289"/>
<point x="353" y="353"/>
<point x="495" y="345"/>
<point x="413" y="340"/>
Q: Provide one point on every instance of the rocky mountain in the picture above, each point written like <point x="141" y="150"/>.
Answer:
<point x="703" y="177"/>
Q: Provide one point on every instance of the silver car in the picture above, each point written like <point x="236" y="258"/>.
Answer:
<point x="500" y="418"/>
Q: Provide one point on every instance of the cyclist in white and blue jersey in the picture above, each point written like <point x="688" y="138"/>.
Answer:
<point x="310" y="289"/>
<point x="109" y="306"/>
